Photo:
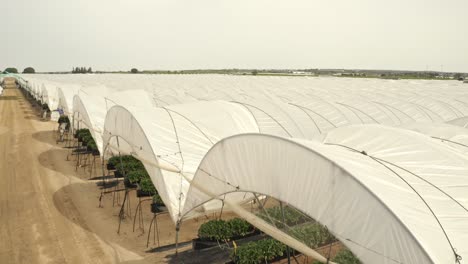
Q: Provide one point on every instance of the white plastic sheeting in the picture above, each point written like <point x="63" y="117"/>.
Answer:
<point x="365" y="197"/>
<point x="391" y="195"/>
<point x="166" y="152"/>
<point x="90" y="107"/>
<point x="50" y="95"/>
<point x="453" y="136"/>
<point x="329" y="101"/>
<point x="1" y="83"/>
<point x="65" y="94"/>
<point x="463" y="122"/>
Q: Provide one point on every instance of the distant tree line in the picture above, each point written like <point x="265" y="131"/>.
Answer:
<point x="29" y="70"/>
<point x="15" y="70"/>
<point x="82" y="70"/>
<point x="11" y="70"/>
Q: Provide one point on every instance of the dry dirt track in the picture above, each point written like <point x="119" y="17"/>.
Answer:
<point x="32" y="230"/>
<point x="49" y="213"/>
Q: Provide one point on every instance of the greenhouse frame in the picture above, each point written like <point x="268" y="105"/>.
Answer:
<point x="383" y="164"/>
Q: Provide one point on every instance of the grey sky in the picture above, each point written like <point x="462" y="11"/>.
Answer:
<point x="188" y="34"/>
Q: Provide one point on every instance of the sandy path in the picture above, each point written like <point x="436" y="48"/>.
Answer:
<point x="32" y="230"/>
<point x="49" y="213"/>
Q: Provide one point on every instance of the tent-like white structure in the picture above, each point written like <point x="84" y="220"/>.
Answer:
<point x="453" y="136"/>
<point x="390" y="195"/>
<point x="371" y="159"/>
<point x="65" y="95"/>
<point x="173" y="139"/>
<point x="50" y="95"/>
<point x="463" y="122"/>
<point x="90" y="107"/>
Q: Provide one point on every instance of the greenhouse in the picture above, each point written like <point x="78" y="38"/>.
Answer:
<point x="382" y="164"/>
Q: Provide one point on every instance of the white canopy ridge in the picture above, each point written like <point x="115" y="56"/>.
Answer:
<point x="175" y="136"/>
<point x="257" y="163"/>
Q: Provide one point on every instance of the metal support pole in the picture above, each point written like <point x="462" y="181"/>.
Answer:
<point x="284" y="225"/>
<point x="177" y="238"/>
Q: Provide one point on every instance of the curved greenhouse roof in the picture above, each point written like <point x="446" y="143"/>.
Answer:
<point x="173" y="139"/>
<point x="402" y="199"/>
<point x="382" y="163"/>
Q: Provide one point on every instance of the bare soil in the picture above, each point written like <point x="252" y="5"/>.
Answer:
<point x="50" y="213"/>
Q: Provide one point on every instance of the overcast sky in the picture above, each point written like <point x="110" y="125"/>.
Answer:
<point x="54" y="35"/>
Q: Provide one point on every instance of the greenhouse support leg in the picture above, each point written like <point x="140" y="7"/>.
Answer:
<point x="142" y="219"/>
<point x="329" y="251"/>
<point x="284" y="225"/>
<point x="100" y="200"/>
<point x="221" y="213"/>
<point x="70" y="150"/>
<point x="177" y="238"/>
<point x="118" y="198"/>
<point x="82" y="161"/>
<point x="93" y="167"/>
<point x="103" y="185"/>
<point x="77" y="160"/>
<point x="85" y="160"/>
<point x="149" y="231"/>
<point x="122" y="212"/>
<point x="129" y="208"/>
<point x="156" y="230"/>
<point x="263" y="209"/>
<point x="113" y="198"/>
<point x="137" y="211"/>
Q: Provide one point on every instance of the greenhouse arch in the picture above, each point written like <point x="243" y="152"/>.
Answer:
<point x="337" y="187"/>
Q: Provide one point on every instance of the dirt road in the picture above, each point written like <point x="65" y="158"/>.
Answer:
<point x="49" y="213"/>
<point x="32" y="230"/>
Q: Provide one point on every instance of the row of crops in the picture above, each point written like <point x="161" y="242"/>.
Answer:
<point x="125" y="167"/>
<point x="264" y="249"/>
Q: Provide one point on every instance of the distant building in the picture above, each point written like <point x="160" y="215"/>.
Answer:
<point x="299" y="73"/>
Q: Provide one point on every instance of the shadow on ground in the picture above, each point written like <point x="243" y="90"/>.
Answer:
<point x="32" y="117"/>
<point x="46" y="158"/>
<point x="211" y="255"/>
<point x="45" y="137"/>
<point x="64" y="204"/>
<point x="8" y="97"/>
<point x="27" y="111"/>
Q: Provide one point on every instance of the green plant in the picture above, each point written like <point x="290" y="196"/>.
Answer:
<point x="147" y="185"/>
<point x="64" y="120"/>
<point x="291" y="216"/>
<point x="312" y="234"/>
<point x="215" y="230"/>
<point x="126" y="163"/>
<point x="346" y="257"/>
<point x="260" y="251"/>
<point x="224" y="230"/>
<point x="45" y="107"/>
<point x="240" y="227"/>
<point x="134" y="176"/>
<point x="86" y="138"/>
<point x="92" y="145"/>
<point x="84" y="132"/>
<point x="157" y="199"/>
<point x="113" y="161"/>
